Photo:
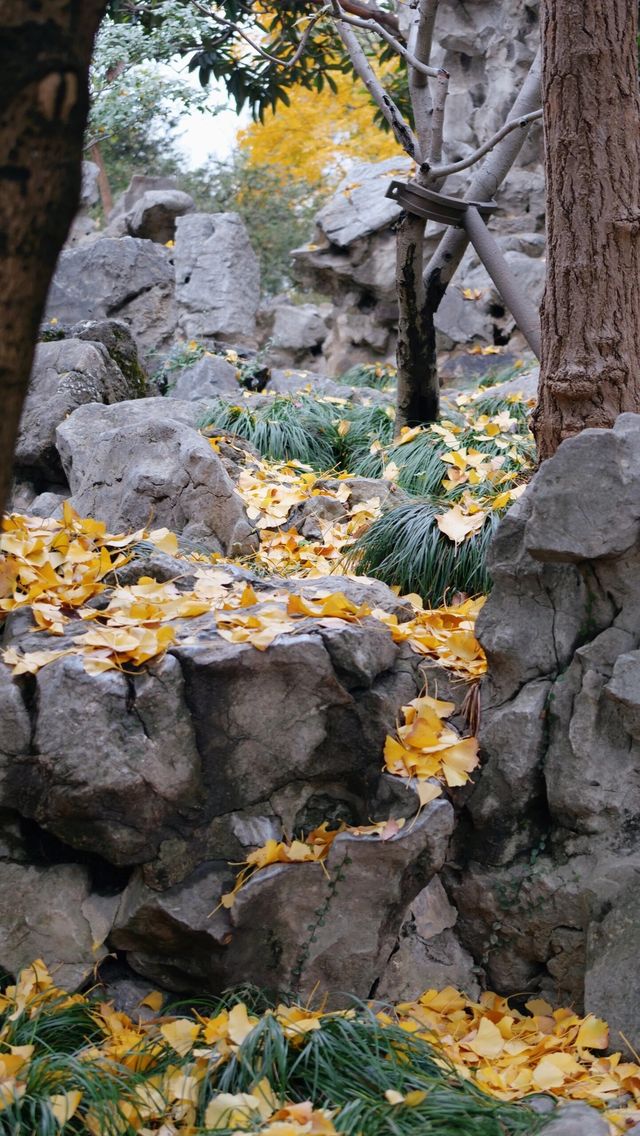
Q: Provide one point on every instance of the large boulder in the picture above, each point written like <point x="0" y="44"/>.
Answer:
<point x="211" y="751"/>
<point x="65" y="374"/>
<point x="217" y="277"/>
<point x="154" y="215"/>
<point x="143" y="779"/>
<point x="126" y="278"/>
<point x="50" y="912"/>
<point x="211" y="377"/>
<point x="137" y="462"/>
<point x="292" y="926"/>
<point x="550" y="853"/>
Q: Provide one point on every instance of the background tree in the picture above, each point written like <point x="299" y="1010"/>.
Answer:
<point x="591" y="309"/>
<point x="138" y="98"/>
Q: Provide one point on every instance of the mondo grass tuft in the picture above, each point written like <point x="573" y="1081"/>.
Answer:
<point x="93" y="1072"/>
<point x="406" y="548"/>
<point x="283" y="429"/>
<point x="381" y="376"/>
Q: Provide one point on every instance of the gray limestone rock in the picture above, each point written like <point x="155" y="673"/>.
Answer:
<point x="66" y="374"/>
<point x="291" y="926"/>
<point x="217" y="277"/>
<point x="610" y="985"/>
<point x="113" y="764"/>
<point x="130" y="279"/>
<point x="210" y="377"/>
<point x="139" y="462"/>
<point x="544" y="870"/>
<point x="49" y="912"/>
<point x="154" y="215"/>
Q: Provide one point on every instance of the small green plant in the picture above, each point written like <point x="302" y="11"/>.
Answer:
<point x="406" y="548"/>
<point x="381" y="376"/>
<point x="283" y="429"/>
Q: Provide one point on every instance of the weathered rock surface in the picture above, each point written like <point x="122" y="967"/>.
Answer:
<point x="49" y="912"/>
<point x="126" y="278"/>
<point x="180" y="770"/>
<point x="261" y="935"/>
<point x="217" y="277"/>
<point x="297" y="332"/>
<point x="549" y="858"/>
<point x="65" y="374"/>
<point x="210" y="377"/>
<point x="154" y="215"/>
<point x="144" y="773"/>
<point x="139" y="461"/>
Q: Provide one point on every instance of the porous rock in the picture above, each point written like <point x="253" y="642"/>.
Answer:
<point x="211" y="377"/>
<point x="154" y="215"/>
<point x="48" y="912"/>
<point x="126" y="278"/>
<point x="545" y="871"/>
<point x="65" y="374"/>
<point x="138" y="462"/>
<point x="217" y="277"/>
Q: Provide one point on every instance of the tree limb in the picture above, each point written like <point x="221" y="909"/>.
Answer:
<point x="218" y="19"/>
<point x="523" y="122"/>
<point x="405" y="52"/>
<point x="401" y="129"/>
<point x="370" y="12"/>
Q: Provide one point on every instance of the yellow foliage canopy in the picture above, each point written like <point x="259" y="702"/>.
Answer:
<point x="319" y="135"/>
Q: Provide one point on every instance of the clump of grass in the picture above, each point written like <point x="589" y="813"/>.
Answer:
<point x="381" y="376"/>
<point x="114" y="1066"/>
<point x="406" y="548"/>
<point x="283" y="429"/>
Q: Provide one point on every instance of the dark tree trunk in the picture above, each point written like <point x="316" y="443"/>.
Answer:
<point x="590" y="369"/>
<point x="45" y="50"/>
<point x="418" y="400"/>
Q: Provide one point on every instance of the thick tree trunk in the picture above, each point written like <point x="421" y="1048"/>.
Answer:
<point x="591" y="309"/>
<point x="45" y="50"/>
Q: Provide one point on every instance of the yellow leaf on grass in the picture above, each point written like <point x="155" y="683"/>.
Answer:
<point x="458" y="525"/>
<point x="65" y="1105"/>
<point x="240" y="1024"/>
<point x="180" y="1034"/>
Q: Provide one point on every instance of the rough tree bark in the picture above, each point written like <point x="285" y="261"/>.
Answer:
<point x="45" y="50"/>
<point x="590" y="369"/>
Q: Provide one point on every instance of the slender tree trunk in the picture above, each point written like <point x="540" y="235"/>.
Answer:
<point x="104" y="188"/>
<point x="45" y="50"/>
<point x="590" y="369"/>
<point x="416" y="401"/>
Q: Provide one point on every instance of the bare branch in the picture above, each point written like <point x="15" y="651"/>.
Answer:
<point x="523" y="122"/>
<point x="427" y="10"/>
<point x="401" y="129"/>
<point x="437" y="121"/>
<point x="378" y="29"/>
<point x="484" y="184"/>
<point x="218" y="19"/>
<point x="370" y="12"/>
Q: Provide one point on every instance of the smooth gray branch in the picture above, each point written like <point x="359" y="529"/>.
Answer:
<point x="218" y="19"/>
<point x="361" y="65"/>
<point x="523" y="122"/>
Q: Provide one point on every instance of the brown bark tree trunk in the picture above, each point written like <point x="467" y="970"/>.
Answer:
<point x="104" y="188"/>
<point x="45" y="50"/>
<point x="590" y="368"/>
